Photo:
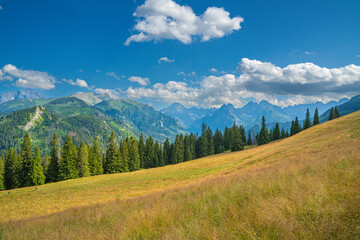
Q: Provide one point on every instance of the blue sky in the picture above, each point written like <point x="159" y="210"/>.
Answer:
<point x="286" y="52"/>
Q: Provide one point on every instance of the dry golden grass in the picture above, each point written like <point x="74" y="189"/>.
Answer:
<point x="303" y="187"/>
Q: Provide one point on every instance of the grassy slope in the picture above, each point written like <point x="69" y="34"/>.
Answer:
<point x="306" y="186"/>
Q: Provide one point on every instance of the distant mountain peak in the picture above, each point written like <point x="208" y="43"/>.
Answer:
<point x="20" y="94"/>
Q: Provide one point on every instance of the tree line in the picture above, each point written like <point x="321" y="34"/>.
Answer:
<point x="26" y="168"/>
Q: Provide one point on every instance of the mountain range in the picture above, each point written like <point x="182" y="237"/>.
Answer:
<point x="249" y="115"/>
<point x="83" y="116"/>
<point x="20" y="94"/>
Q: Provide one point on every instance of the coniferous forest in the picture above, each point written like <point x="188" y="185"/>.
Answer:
<point x="25" y="167"/>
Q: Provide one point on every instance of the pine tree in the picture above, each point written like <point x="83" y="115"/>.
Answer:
<point x="95" y="159"/>
<point x="125" y="158"/>
<point x="283" y="133"/>
<point x="52" y="173"/>
<point x="187" y="146"/>
<point x="316" y="117"/>
<point x="37" y="175"/>
<point x="307" y="122"/>
<point x="227" y="138"/>
<point x="211" y="149"/>
<point x="249" y="140"/>
<point x="156" y="160"/>
<point x="149" y="154"/>
<point x="263" y="137"/>
<point x="218" y="141"/>
<point x="243" y="135"/>
<point x="271" y="135"/>
<point x="332" y="114"/>
<point x="236" y="140"/>
<point x="178" y="156"/>
<point x="11" y="169"/>
<point x="111" y="163"/>
<point x="83" y="160"/>
<point x="277" y="134"/>
<point x="141" y="150"/>
<point x="2" y="173"/>
<point x="295" y="127"/>
<point x="26" y="158"/>
<point x="134" y="158"/>
<point x="167" y="152"/>
<point x="336" y="112"/>
<point x="68" y="166"/>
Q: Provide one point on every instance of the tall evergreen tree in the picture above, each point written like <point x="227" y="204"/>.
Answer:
<point x="83" y="160"/>
<point x="307" y="122"/>
<point x="218" y="141"/>
<point x="227" y="138"/>
<point x="12" y="169"/>
<point x="37" y="175"/>
<point x="236" y="140"/>
<point x="125" y="158"/>
<point x="249" y="140"/>
<point x="178" y="156"/>
<point x="2" y="173"/>
<point x="26" y="159"/>
<point x="283" y="133"/>
<point x="243" y="135"/>
<point x="142" y="150"/>
<point x="167" y="152"/>
<point x="187" y="148"/>
<point x="210" y="147"/>
<point x="68" y="166"/>
<point x="134" y="157"/>
<point x="336" y="112"/>
<point x="271" y="135"/>
<point x="332" y="114"/>
<point x="277" y="133"/>
<point x="95" y="159"/>
<point x="295" y="127"/>
<point x="263" y="137"/>
<point x="316" y="117"/>
<point x="111" y="163"/>
<point x="52" y="172"/>
<point x="149" y="154"/>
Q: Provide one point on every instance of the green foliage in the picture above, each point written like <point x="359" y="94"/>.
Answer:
<point x="249" y="139"/>
<point x="316" y="117"/>
<point x="124" y="158"/>
<point x="237" y="143"/>
<point x="82" y="161"/>
<point x="95" y="162"/>
<point x="68" y="163"/>
<point x="263" y="137"/>
<point x="276" y="132"/>
<point x="52" y="172"/>
<point x="111" y="163"/>
<point x="295" y="127"/>
<point x="37" y="174"/>
<point x="26" y="159"/>
<point x="134" y="156"/>
<point x="179" y="150"/>
<point x="12" y="168"/>
<point x="307" y="122"/>
<point x="2" y="173"/>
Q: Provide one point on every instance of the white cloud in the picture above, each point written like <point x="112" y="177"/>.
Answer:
<point x="140" y="80"/>
<point x="309" y="53"/>
<point x="27" y="78"/>
<point x="186" y="74"/>
<point x="293" y="84"/>
<point x="165" y="19"/>
<point x="114" y="75"/>
<point x="165" y="59"/>
<point x="213" y="70"/>
<point x="78" y="82"/>
<point x="114" y="94"/>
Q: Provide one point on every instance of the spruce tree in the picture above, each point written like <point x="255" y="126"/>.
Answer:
<point x="336" y="112"/>
<point x="307" y="122"/>
<point x="155" y="161"/>
<point x="236" y="140"/>
<point x="178" y="156"/>
<point x="263" y="137"/>
<point x="271" y="135"/>
<point x="95" y="159"/>
<point x="332" y="114"/>
<point x="167" y="152"/>
<point x="124" y="160"/>
<point x="210" y="147"/>
<point x="37" y="175"/>
<point x="26" y="159"/>
<point x="141" y="150"/>
<point x="149" y="154"/>
<point x="218" y="141"/>
<point x="187" y="146"/>
<point x="316" y="117"/>
<point x="134" y="158"/>
<point x="277" y="134"/>
<point x="249" y="140"/>
<point x="68" y="166"/>
<point x="243" y="135"/>
<point x="111" y="163"/>
<point x="283" y="133"/>
<point x="11" y="169"/>
<point x="2" y="173"/>
<point x="52" y="173"/>
<point x="83" y="160"/>
<point x="227" y="138"/>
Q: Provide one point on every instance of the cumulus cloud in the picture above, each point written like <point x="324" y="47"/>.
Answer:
<point x="309" y="53"/>
<point x="114" y="94"/>
<point x="78" y="82"/>
<point x="142" y="81"/>
<point x="293" y="84"/>
<point x="213" y="70"/>
<point x="165" y="59"/>
<point x="27" y="78"/>
<point x="165" y="19"/>
<point x="186" y="74"/>
<point x="114" y="75"/>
